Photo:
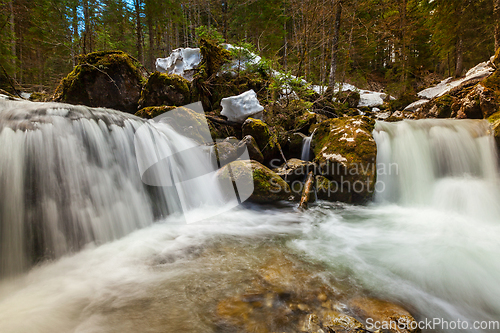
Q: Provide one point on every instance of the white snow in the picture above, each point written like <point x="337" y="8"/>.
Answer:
<point x="181" y="61"/>
<point x="238" y="108"/>
<point x="415" y="106"/>
<point x="244" y="58"/>
<point x="480" y="71"/>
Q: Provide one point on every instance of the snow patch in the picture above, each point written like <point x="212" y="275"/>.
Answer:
<point x="238" y="108"/>
<point x="415" y="106"/>
<point x="182" y="61"/>
<point x="335" y="158"/>
<point x="480" y="71"/>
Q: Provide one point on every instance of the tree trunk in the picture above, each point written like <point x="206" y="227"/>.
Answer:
<point x="149" y="18"/>
<point x="224" y="18"/>
<point x="74" y="44"/>
<point x="459" y="64"/>
<point x="13" y="36"/>
<point x="496" y="15"/>
<point x="335" y="45"/>
<point x="87" y="43"/>
<point x="402" y="13"/>
<point x="138" y="30"/>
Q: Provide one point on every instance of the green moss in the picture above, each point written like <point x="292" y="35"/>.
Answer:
<point x="153" y="111"/>
<point x="99" y="75"/>
<point x="345" y="148"/>
<point x="494" y="118"/>
<point x="165" y="89"/>
<point x="402" y="102"/>
<point x="443" y="105"/>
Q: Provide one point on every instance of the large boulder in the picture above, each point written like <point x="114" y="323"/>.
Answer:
<point x="165" y="89"/>
<point x="268" y="186"/>
<point x="111" y="79"/>
<point x="345" y="152"/>
<point x="265" y="138"/>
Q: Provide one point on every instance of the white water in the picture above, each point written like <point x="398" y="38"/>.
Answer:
<point x="430" y="243"/>
<point x="306" y="148"/>
<point x="69" y="176"/>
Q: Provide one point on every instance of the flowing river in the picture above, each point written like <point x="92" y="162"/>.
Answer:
<point x="87" y="247"/>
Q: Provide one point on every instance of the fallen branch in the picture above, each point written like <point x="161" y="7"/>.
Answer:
<point x="306" y="193"/>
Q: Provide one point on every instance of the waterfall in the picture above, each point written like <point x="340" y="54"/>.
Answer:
<point x="69" y="176"/>
<point x="448" y="164"/>
<point x="306" y="148"/>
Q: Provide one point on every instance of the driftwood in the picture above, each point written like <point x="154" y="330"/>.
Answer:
<point x="222" y="121"/>
<point x="306" y="193"/>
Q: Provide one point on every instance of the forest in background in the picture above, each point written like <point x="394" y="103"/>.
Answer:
<point x="399" y="45"/>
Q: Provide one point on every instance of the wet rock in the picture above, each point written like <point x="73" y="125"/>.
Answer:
<point x="294" y="145"/>
<point x="111" y="79"/>
<point x="345" y="152"/>
<point x="385" y="312"/>
<point x="296" y="170"/>
<point x="268" y="186"/>
<point x="478" y="104"/>
<point x="225" y="152"/>
<point x="340" y="323"/>
<point x="185" y="121"/>
<point x="495" y="123"/>
<point x="250" y="144"/>
<point x="330" y="190"/>
<point x="165" y="89"/>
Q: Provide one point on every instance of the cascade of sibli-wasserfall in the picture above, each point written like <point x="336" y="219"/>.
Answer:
<point x="69" y="176"/>
<point x="440" y="163"/>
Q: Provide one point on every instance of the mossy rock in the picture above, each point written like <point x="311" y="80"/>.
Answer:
<point x="351" y="98"/>
<point x="266" y="139"/>
<point x="479" y="103"/>
<point x="440" y="107"/>
<point x="39" y="97"/>
<point x="495" y="123"/>
<point x="165" y="89"/>
<point x="330" y="190"/>
<point x="153" y="111"/>
<point x="249" y="143"/>
<point x="402" y="102"/>
<point x="185" y="121"/>
<point x="346" y="151"/>
<point x="295" y="115"/>
<point x="111" y="79"/>
<point x="268" y="186"/>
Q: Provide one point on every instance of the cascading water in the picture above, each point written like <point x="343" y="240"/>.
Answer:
<point x="445" y="164"/>
<point x="306" y="148"/>
<point x="69" y="176"/>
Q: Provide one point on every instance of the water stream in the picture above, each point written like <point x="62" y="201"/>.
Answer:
<point x="68" y="181"/>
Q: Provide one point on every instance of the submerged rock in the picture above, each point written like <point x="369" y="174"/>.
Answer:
<point x="238" y="108"/>
<point x="164" y="89"/>
<point x="111" y="79"/>
<point x="385" y="312"/>
<point x="268" y="186"/>
<point x="345" y="152"/>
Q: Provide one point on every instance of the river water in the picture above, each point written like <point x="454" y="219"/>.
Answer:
<point x="428" y="242"/>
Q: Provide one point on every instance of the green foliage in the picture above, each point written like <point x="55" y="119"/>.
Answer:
<point x="209" y="33"/>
